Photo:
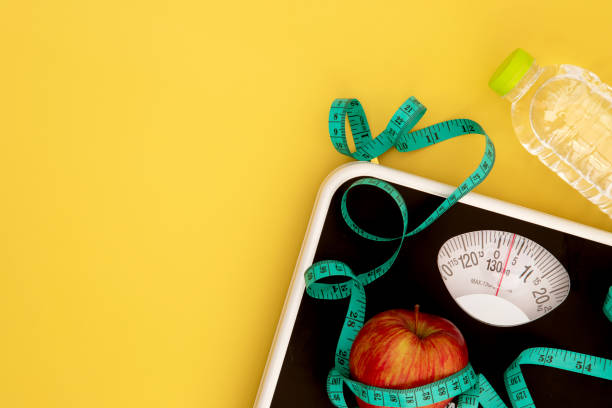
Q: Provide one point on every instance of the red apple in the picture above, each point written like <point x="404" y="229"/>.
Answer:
<point x="405" y="349"/>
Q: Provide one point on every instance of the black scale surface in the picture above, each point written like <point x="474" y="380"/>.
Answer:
<point x="578" y="324"/>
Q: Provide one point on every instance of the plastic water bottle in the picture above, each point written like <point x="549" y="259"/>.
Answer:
<point x="563" y="115"/>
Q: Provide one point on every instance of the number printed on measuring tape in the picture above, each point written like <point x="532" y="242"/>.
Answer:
<point x="555" y="358"/>
<point x="472" y="389"/>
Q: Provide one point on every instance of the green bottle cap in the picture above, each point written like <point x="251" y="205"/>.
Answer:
<point x="511" y="71"/>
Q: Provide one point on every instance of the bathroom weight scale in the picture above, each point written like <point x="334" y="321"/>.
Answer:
<point x="508" y="277"/>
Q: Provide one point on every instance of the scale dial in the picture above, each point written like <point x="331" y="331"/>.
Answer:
<point x="532" y="284"/>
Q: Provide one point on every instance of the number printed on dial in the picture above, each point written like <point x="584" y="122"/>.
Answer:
<point x="496" y="273"/>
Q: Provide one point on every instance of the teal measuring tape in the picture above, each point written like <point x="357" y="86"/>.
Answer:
<point x="550" y="357"/>
<point x="472" y="389"/>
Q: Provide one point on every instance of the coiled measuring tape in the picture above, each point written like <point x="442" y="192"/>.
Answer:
<point x="607" y="309"/>
<point x="472" y="389"/>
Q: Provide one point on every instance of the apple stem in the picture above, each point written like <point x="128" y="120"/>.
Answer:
<point x="416" y="319"/>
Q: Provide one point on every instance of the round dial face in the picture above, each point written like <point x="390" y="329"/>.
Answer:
<point x="502" y="278"/>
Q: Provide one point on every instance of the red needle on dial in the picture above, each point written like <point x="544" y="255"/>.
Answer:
<point x="506" y="264"/>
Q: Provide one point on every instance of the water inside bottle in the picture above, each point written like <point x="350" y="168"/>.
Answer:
<point x="570" y="120"/>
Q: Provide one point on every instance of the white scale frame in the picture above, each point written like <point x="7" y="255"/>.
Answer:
<point x="315" y="226"/>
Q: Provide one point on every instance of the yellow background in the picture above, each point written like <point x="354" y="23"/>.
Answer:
<point x="160" y="160"/>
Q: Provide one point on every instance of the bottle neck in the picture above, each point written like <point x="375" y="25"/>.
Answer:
<point x="524" y="84"/>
